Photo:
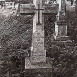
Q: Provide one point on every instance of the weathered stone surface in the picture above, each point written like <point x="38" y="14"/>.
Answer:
<point x="29" y="65"/>
<point x="38" y="54"/>
<point x="38" y="70"/>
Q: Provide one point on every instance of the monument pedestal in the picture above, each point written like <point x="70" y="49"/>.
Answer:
<point x="61" y="32"/>
<point x="60" y="35"/>
<point x="62" y="38"/>
<point x="38" y="70"/>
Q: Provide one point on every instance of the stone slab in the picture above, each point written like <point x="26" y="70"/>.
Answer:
<point x="63" y="38"/>
<point x="29" y="65"/>
<point x="38" y="70"/>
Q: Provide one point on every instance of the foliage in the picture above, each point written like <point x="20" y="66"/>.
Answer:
<point x="71" y="19"/>
<point x="64" y="55"/>
<point x="15" y="38"/>
<point x="64" y="59"/>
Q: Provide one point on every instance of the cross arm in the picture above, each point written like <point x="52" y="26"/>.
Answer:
<point x="27" y="9"/>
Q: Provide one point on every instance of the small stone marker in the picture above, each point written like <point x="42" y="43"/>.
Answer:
<point x="60" y="25"/>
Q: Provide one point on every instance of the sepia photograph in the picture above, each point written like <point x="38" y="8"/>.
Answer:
<point x="38" y="38"/>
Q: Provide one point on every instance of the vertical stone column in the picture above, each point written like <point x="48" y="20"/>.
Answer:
<point x="59" y="2"/>
<point x="35" y="18"/>
<point x="62" y="24"/>
<point x="57" y="17"/>
<point x="38" y="54"/>
<point x="56" y="30"/>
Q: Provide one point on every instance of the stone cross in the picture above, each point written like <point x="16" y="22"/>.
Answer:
<point x="39" y="13"/>
<point x="38" y="52"/>
<point x="38" y="63"/>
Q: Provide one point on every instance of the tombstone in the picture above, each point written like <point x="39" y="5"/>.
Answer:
<point x="60" y="24"/>
<point x="38" y="64"/>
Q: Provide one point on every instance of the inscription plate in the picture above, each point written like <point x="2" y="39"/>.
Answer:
<point x="38" y="54"/>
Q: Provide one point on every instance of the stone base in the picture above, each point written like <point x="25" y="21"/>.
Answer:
<point x="38" y="70"/>
<point x="63" y="38"/>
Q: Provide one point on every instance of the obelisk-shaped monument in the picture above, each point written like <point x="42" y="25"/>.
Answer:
<point x="38" y="54"/>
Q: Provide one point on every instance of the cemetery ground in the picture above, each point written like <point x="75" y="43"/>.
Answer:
<point x="15" y="43"/>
